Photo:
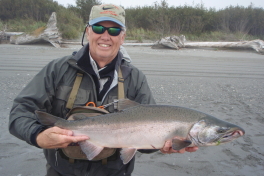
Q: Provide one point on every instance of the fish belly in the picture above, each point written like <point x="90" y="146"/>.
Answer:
<point x="139" y="136"/>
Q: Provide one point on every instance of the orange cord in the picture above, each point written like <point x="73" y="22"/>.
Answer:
<point x="93" y="105"/>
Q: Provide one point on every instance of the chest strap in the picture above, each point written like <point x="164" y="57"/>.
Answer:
<point x="121" y="90"/>
<point x="74" y="91"/>
<point x="77" y="83"/>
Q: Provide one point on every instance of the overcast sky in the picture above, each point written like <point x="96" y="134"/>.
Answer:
<point x="218" y="4"/>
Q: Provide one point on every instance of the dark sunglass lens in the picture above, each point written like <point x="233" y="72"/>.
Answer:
<point x="114" y="31"/>
<point x="98" y="29"/>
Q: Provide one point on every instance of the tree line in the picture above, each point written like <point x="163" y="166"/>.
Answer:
<point x="196" y="19"/>
<point x="160" y="17"/>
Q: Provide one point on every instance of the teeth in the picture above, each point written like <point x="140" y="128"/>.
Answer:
<point x="104" y="45"/>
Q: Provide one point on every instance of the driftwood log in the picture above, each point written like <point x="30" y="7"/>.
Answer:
<point x="257" y="45"/>
<point x="5" y="36"/>
<point x="50" y="34"/>
<point x="175" y="42"/>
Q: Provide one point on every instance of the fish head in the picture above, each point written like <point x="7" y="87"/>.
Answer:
<point x="212" y="131"/>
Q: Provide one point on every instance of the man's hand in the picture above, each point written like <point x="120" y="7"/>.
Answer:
<point x="57" y="138"/>
<point x="167" y="149"/>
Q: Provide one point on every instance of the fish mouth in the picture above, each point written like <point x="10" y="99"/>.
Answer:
<point x="232" y="135"/>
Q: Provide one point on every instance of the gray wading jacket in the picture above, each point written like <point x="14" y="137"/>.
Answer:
<point x="49" y="91"/>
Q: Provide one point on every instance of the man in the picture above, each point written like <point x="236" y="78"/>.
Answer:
<point x="49" y="90"/>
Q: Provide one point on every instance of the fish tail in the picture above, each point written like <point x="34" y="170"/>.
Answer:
<point x="46" y="118"/>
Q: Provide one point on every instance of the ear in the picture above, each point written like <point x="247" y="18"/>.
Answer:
<point x="87" y="32"/>
<point x="123" y="38"/>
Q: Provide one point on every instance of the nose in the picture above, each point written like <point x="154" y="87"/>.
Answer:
<point x="105" y="35"/>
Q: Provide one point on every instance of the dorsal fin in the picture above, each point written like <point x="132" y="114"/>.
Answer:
<point x="126" y="103"/>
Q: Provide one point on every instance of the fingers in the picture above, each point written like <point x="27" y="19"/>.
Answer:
<point x="62" y="131"/>
<point x="75" y="139"/>
<point x="191" y="149"/>
<point x="181" y="151"/>
<point x="57" y="138"/>
<point x="167" y="148"/>
<point x="68" y="135"/>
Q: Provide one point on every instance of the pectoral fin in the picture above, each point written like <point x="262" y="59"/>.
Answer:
<point x="127" y="154"/>
<point x="178" y="144"/>
<point x="90" y="149"/>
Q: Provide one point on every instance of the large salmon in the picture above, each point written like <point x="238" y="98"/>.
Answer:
<point x="145" y="127"/>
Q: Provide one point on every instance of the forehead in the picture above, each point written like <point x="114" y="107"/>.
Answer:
<point x="109" y="24"/>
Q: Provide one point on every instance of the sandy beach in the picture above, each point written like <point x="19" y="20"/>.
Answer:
<point x="226" y="84"/>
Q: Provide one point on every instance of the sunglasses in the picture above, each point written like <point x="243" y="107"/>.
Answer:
<point x="113" y="31"/>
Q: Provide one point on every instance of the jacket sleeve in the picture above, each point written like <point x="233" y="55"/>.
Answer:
<point x="144" y="94"/>
<point x="37" y="95"/>
<point x="137" y="86"/>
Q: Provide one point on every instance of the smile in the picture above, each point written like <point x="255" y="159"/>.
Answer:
<point x="104" y="45"/>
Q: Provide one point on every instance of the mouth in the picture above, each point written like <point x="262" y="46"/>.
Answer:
<point x="104" y="45"/>
<point x="232" y="135"/>
<point x="235" y="134"/>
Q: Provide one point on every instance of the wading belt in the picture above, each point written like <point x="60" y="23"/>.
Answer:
<point x="71" y="101"/>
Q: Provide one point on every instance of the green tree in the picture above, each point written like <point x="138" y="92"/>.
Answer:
<point x="85" y="7"/>
<point x="38" y="10"/>
<point x="158" y="18"/>
<point x="69" y="23"/>
<point x="161" y="18"/>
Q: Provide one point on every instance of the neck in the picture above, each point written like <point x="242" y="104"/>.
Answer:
<point x="103" y="63"/>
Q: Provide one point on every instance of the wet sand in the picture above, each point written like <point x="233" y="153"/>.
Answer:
<point x="225" y="84"/>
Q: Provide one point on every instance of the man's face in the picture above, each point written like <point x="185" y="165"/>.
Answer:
<point x="104" y="47"/>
